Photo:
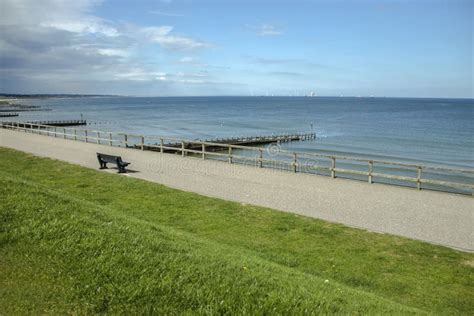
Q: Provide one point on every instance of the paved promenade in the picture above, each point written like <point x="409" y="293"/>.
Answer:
<point x="436" y="217"/>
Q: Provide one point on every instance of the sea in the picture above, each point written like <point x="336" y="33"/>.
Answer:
<point x="413" y="130"/>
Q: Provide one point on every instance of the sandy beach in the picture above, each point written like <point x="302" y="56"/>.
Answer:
<point x="435" y="217"/>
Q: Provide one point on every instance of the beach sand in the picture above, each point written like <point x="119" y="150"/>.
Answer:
<point x="436" y="217"/>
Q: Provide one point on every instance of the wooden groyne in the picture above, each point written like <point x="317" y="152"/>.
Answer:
<point x="24" y="106"/>
<point x="237" y="141"/>
<point x="8" y="114"/>
<point x="61" y="123"/>
<point x="15" y="109"/>
<point x="39" y="124"/>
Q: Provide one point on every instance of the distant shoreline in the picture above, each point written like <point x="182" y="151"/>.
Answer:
<point x="11" y="96"/>
<point x="12" y="99"/>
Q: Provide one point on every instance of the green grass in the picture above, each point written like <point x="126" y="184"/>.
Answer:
<point x="74" y="240"/>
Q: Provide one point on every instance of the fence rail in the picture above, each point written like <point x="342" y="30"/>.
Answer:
<point x="372" y="170"/>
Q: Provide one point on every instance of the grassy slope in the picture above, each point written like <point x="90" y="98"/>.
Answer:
<point x="70" y="242"/>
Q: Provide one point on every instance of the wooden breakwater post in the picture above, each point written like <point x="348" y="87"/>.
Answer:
<point x="295" y="162"/>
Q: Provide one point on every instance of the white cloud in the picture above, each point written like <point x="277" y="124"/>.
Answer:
<point x="162" y="36"/>
<point x="33" y="12"/>
<point x="83" y="26"/>
<point x="191" y="75"/>
<point x="62" y="44"/>
<point x="268" y="30"/>
<point x="138" y="74"/>
<point x="113" y="52"/>
<point x="179" y="43"/>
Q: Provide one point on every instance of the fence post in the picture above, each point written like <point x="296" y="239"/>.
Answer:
<point x="371" y="168"/>
<point x="418" y="179"/>
<point x="333" y="167"/>
<point x="143" y="142"/>
<point x="230" y="154"/>
<point x="203" y="151"/>
<point x="125" y="137"/>
<point x="98" y="137"/>
<point x="75" y="134"/>
<point x="294" y="162"/>
<point x="161" y="145"/>
<point x="85" y="134"/>
<point x="182" y="149"/>
<point x="55" y="132"/>
<point x="260" y="159"/>
<point x="110" y="139"/>
<point x="64" y="132"/>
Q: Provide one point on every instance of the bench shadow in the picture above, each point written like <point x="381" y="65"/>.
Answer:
<point x="115" y="170"/>
<point x="132" y="171"/>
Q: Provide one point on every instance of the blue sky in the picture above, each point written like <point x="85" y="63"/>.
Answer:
<point x="173" y="47"/>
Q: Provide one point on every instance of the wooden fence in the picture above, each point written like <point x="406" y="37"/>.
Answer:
<point x="372" y="170"/>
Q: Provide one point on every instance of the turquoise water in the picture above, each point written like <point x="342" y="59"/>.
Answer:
<point x="430" y="131"/>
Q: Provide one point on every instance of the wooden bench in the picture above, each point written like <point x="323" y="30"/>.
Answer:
<point x="104" y="159"/>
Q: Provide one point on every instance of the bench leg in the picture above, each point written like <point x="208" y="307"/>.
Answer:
<point x="103" y="165"/>
<point x="121" y="169"/>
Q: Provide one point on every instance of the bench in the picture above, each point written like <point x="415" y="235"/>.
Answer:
<point x="104" y="159"/>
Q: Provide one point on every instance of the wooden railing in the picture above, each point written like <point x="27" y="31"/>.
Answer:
<point x="372" y="170"/>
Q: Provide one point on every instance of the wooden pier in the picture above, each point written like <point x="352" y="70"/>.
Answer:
<point x="240" y="141"/>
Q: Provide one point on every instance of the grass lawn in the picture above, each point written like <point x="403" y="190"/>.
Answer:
<point x="75" y="240"/>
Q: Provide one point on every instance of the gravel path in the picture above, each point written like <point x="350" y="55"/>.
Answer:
<point x="436" y="217"/>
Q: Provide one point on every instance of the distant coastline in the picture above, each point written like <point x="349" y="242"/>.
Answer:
<point x="15" y="96"/>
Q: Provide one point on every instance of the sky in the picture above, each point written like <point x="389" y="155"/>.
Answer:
<point x="186" y="48"/>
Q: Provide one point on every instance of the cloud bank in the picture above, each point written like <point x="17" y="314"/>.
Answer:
<point x="60" y="46"/>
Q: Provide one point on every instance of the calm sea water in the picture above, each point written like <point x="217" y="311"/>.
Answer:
<point x="431" y="131"/>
